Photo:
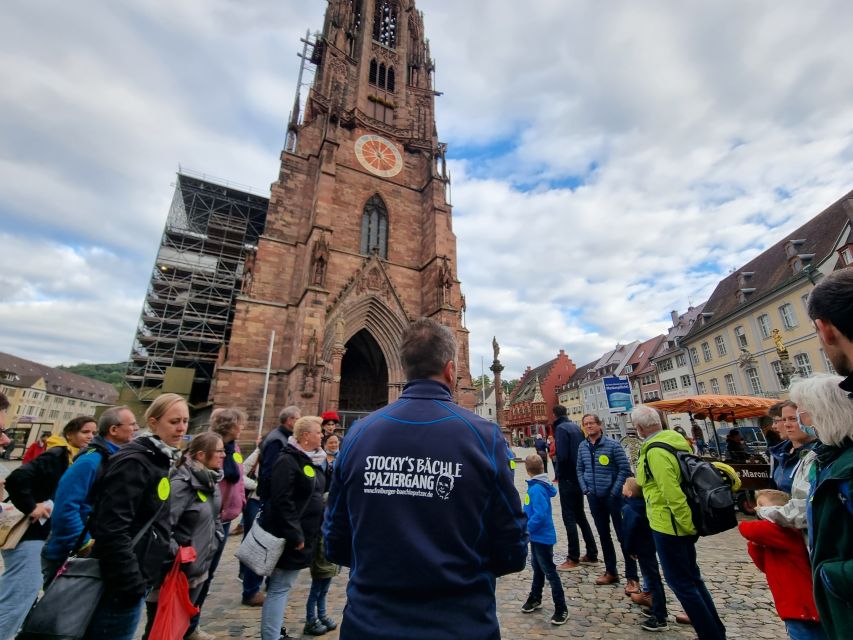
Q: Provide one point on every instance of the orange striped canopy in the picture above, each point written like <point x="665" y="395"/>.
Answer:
<point x="717" y="407"/>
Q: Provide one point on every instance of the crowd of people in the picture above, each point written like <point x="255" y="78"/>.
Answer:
<point x="424" y="479"/>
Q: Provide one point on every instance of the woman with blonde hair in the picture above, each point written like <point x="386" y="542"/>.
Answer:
<point x="293" y="511"/>
<point x="132" y="500"/>
<point x="827" y="410"/>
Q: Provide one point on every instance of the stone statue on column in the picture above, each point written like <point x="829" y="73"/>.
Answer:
<point x="496" y="369"/>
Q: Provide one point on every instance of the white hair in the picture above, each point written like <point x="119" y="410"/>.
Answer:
<point x="829" y="405"/>
<point x="647" y="418"/>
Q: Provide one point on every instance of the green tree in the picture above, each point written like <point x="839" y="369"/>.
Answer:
<point x="508" y="386"/>
<point x="110" y="373"/>
<point x="481" y="381"/>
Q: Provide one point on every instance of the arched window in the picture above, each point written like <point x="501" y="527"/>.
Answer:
<point x="389" y="83"/>
<point x="381" y="81"/>
<point x="374" y="227"/>
<point x="371" y="78"/>
<point x="385" y="23"/>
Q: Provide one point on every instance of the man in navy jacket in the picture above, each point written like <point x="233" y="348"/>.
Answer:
<point x="568" y="437"/>
<point x="423" y="508"/>
<point x="602" y="469"/>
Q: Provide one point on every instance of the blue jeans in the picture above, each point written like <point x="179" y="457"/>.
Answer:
<point x="604" y="511"/>
<point x="574" y="516"/>
<point x="804" y="630"/>
<point x="678" y="559"/>
<point x="653" y="584"/>
<point x="113" y="621"/>
<point x="251" y="581"/>
<point x="542" y="561"/>
<point x="316" y="606"/>
<point x="272" y="614"/>
<point x="20" y="585"/>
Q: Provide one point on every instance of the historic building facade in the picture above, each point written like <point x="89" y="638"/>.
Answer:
<point x="529" y="408"/>
<point x="755" y="320"/>
<point x="358" y="239"/>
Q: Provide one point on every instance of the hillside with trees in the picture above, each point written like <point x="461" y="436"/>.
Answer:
<point x="111" y="373"/>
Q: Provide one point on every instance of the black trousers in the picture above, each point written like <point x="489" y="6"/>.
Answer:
<point x="574" y="516"/>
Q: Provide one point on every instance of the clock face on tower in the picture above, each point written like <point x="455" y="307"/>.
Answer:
<point x="378" y="155"/>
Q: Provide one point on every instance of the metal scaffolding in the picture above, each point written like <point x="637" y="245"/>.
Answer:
<point x="189" y="306"/>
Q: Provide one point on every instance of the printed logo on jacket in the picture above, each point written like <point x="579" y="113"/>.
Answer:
<point x="408" y="476"/>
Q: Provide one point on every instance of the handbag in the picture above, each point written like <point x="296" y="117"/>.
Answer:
<point x="13" y="526"/>
<point x="70" y="600"/>
<point x="174" y="607"/>
<point x="260" y="550"/>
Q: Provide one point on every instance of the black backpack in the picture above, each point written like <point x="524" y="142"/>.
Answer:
<point x="708" y="492"/>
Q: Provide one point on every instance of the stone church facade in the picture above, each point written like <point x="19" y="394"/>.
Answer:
<point x="358" y="239"/>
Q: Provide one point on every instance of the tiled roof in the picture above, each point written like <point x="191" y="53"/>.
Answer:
<point x="526" y="389"/>
<point x="642" y="355"/>
<point x="680" y="329"/>
<point x="771" y="269"/>
<point x="62" y="383"/>
<point x="580" y="373"/>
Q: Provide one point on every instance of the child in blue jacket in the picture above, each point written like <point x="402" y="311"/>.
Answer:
<point x="543" y="537"/>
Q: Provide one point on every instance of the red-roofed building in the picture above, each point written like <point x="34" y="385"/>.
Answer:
<point x="530" y="404"/>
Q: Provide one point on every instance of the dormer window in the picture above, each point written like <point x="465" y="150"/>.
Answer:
<point x="743" y="277"/>
<point x="792" y="247"/>
<point x="847" y="255"/>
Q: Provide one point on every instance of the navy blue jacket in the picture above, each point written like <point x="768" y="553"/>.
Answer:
<point x="567" y="438"/>
<point x="637" y="539"/>
<point x="424" y="511"/>
<point x="602" y="467"/>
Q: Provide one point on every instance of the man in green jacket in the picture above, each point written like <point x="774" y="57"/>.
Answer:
<point x="659" y="474"/>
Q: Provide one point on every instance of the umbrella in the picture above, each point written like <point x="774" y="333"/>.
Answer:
<point x="717" y="407"/>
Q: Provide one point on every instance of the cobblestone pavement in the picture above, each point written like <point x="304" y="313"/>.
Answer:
<point x="738" y="588"/>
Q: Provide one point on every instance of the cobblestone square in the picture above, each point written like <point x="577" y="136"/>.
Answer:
<point x="739" y="589"/>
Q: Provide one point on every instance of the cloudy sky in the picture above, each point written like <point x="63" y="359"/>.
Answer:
<point x="610" y="161"/>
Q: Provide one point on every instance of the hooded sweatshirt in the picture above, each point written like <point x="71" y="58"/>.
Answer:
<point x="537" y="508"/>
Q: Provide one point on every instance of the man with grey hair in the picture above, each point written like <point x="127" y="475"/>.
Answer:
<point x="671" y="521"/>
<point x="423" y="508"/>
<point x="72" y="503"/>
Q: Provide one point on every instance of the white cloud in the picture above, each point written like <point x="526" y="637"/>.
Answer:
<point x="610" y="161"/>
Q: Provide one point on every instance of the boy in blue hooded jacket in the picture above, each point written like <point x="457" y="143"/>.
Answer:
<point x="543" y="537"/>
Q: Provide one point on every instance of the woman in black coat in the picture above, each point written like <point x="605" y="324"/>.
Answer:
<point x="133" y="496"/>
<point x="294" y="511"/>
<point x="31" y="488"/>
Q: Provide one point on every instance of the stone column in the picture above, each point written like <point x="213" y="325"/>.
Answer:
<point x="496" y="369"/>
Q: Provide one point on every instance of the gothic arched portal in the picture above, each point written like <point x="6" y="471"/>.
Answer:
<point x="364" y="375"/>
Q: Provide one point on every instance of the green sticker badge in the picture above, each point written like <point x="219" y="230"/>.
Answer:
<point x="308" y="470"/>
<point x="201" y="496"/>
<point x="238" y="457"/>
<point x="604" y="460"/>
<point x="164" y="489"/>
<point x="526" y="499"/>
<point x="512" y="464"/>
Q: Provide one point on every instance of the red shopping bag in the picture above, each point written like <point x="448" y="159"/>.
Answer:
<point x="174" y="608"/>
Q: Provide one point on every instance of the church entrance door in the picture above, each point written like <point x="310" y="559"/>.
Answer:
<point x="364" y="376"/>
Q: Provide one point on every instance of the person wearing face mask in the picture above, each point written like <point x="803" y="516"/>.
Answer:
<point x="825" y="406"/>
<point x="788" y="453"/>
<point x="32" y="488"/>
<point x="794" y="472"/>
<point x="194" y="507"/>
<point x="133" y="497"/>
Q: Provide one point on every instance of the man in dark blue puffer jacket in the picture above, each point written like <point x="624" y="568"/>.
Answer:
<point x="602" y="470"/>
<point x="423" y="508"/>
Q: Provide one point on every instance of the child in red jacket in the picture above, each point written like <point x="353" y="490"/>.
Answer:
<point x="780" y="552"/>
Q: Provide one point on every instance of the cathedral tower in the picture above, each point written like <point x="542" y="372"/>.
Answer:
<point x="358" y="239"/>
